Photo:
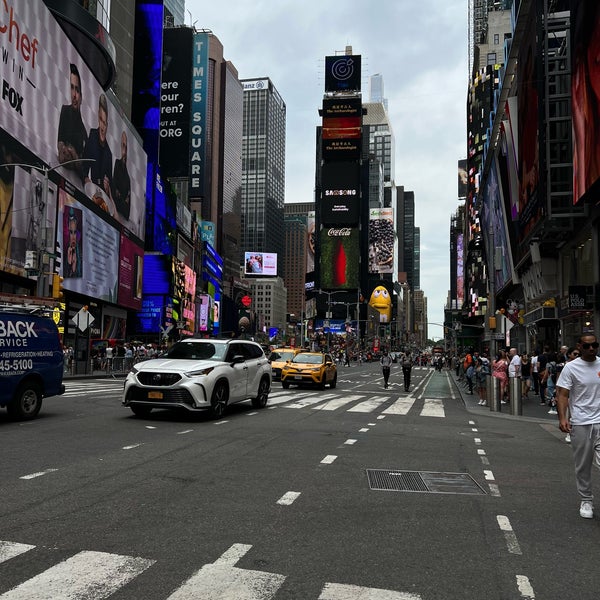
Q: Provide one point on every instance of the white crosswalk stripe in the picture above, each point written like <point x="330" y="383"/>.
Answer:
<point x="400" y="407"/>
<point x="98" y="575"/>
<point x="337" y="402"/>
<point x="433" y="407"/>
<point x="86" y="575"/>
<point x="369" y="405"/>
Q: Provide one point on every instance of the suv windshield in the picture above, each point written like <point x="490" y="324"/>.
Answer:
<point x="188" y="350"/>
<point x="282" y="356"/>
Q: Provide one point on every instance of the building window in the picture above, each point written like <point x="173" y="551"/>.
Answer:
<point x="496" y="39"/>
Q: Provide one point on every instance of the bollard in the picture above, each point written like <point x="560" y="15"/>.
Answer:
<point x="514" y="395"/>
<point x="494" y="399"/>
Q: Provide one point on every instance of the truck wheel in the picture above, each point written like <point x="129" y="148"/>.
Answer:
<point x="26" y="403"/>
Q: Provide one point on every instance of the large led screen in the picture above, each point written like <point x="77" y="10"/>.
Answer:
<point x="340" y="256"/>
<point x="52" y="103"/>
<point x="382" y="239"/>
<point x="585" y="92"/>
<point x="260" y="263"/>
<point x="342" y="73"/>
<point x="340" y="193"/>
<point x="175" y="102"/>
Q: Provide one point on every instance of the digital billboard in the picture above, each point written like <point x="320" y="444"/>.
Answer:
<point x="585" y="94"/>
<point x="340" y="256"/>
<point x="310" y="242"/>
<point x="463" y="179"/>
<point x="175" y="102"/>
<point x="52" y="103"/>
<point x="260" y="263"/>
<point x="340" y="193"/>
<point x="199" y="122"/>
<point x="342" y="73"/>
<point x="382" y="240"/>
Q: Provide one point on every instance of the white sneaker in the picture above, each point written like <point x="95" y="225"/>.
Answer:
<point x="552" y="411"/>
<point x="568" y="438"/>
<point x="586" y="510"/>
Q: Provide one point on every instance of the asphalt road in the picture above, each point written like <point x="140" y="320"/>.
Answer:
<point x="284" y="502"/>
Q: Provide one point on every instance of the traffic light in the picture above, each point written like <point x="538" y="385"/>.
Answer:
<point x="57" y="286"/>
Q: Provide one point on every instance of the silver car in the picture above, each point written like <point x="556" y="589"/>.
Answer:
<point x="200" y="375"/>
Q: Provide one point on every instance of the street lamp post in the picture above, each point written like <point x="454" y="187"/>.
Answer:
<point x="42" y="287"/>
<point x="329" y="303"/>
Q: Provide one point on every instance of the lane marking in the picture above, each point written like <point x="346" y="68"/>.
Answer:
<point x="328" y="459"/>
<point x="288" y="498"/>
<point x="38" y="474"/>
<point x="222" y="579"/>
<point x="474" y="429"/>
<point x="9" y="550"/>
<point x="150" y="427"/>
<point x="433" y="407"/>
<point x="184" y="431"/>
<point x="489" y="476"/>
<point x="369" y="405"/>
<point x="477" y="440"/>
<point x="485" y="460"/>
<point x="363" y="430"/>
<point x="341" y="591"/>
<point x="251" y="414"/>
<point x="371" y="424"/>
<point x="131" y="447"/>
<point x="509" y="534"/>
<point x="481" y="451"/>
<point x="221" y="422"/>
<point x="525" y="588"/>
<point x="338" y="402"/>
<point x="85" y="575"/>
<point x="380" y="417"/>
<point x="400" y="407"/>
<point x="350" y="442"/>
<point x="494" y="490"/>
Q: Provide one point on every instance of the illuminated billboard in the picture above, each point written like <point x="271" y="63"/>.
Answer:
<point x="340" y="257"/>
<point x="54" y="106"/>
<point x="199" y="124"/>
<point x="175" y="102"/>
<point x="260" y="263"/>
<point x="382" y="240"/>
<point x="585" y="86"/>
<point x="342" y="73"/>
<point x="340" y="193"/>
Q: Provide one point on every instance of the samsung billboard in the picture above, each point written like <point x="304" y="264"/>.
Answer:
<point x="340" y="193"/>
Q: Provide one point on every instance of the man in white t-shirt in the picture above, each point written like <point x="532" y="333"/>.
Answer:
<point x="514" y="367"/>
<point x="579" y="393"/>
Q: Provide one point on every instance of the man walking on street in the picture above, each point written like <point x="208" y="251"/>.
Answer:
<point x="406" y="368"/>
<point x="386" y="365"/>
<point x="579" y="394"/>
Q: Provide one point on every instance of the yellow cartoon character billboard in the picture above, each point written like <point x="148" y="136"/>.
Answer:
<point x="381" y="301"/>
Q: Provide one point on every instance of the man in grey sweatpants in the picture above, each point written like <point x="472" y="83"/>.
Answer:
<point x="579" y="393"/>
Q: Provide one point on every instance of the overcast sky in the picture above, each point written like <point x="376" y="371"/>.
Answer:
<point x="419" y="46"/>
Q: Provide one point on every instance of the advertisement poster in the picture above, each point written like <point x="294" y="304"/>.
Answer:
<point x="131" y="271"/>
<point x="339" y="258"/>
<point x="94" y="267"/>
<point x="54" y="106"/>
<point x="260" y="263"/>
<point x="382" y="239"/>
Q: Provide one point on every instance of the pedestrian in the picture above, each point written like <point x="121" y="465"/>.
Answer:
<point x="549" y="379"/>
<point x="469" y="374"/>
<point x="346" y="359"/>
<point x="535" y="376"/>
<point x="500" y="371"/>
<point x="572" y="354"/>
<point x="406" y="369"/>
<point x="482" y="370"/>
<point x="579" y="394"/>
<point x="386" y="365"/>
<point x="525" y="376"/>
<point x="543" y="359"/>
<point x="514" y="371"/>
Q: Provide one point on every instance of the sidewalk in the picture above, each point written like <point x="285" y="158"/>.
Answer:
<point x="532" y="409"/>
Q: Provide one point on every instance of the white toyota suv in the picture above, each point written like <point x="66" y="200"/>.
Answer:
<point x="200" y="375"/>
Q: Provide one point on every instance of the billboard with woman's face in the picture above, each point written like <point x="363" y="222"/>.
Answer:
<point x="585" y="92"/>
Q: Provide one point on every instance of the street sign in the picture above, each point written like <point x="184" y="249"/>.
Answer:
<point x="83" y="319"/>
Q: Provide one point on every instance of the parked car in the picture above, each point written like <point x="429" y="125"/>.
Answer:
<point x="200" y="375"/>
<point x="31" y="360"/>
<point x="312" y="368"/>
<point x="278" y="358"/>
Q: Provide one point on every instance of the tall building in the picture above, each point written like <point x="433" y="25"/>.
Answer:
<point x="406" y="220"/>
<point x="263" y="168"/>
<point x="294" y="261"/>
<point x="270" y="302"/>
<point x="376" y="93"/>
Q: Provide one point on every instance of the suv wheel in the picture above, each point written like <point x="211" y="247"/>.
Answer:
<point x="218" y="400"/>
<point x="263" y="394"/>
<point x="26" y="403"/>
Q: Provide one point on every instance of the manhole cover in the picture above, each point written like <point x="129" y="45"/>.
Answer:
<point x="423" y="481"/>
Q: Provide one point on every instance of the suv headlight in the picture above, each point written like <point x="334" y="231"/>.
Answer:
<point x="200" y="372"/>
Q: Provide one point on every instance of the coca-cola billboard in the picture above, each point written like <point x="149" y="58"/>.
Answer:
<point x="340" y="252"/>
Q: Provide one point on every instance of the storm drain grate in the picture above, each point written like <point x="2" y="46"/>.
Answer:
<point x="423" y="481"/>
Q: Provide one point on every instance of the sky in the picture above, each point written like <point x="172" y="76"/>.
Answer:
<point x="421" y="50"/>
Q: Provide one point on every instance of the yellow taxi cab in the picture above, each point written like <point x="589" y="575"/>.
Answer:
<point x="278" y="358"/>
<point x="310" y="368"/>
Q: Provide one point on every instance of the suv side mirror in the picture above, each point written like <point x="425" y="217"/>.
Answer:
<point x="237" y="358"/>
